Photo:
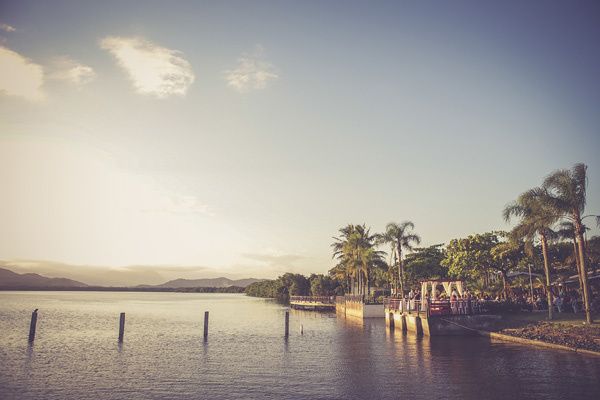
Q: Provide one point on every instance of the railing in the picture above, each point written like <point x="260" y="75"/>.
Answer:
<point x="313" y="299"/>
<point x="358" y="298"/>
<point x="404" y="305"/>
<point x="437" y="307"/>
<point x="459" y="307"/>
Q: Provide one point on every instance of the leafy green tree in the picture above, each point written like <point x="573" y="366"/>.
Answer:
<point x="296" y="284"/>
<point x="424" y="263"/>
<point x="321" y="285"/>
<point x="507" y="257"/>
<point x="471" y="258"/>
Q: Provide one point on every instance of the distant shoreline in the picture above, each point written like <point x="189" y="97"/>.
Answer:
<point x="229" y="289"/>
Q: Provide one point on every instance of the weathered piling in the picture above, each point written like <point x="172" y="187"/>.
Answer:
<point x="205" y="325"/>
<point x="33" y="325"/>
<point x="287" y="323"/>
<point x="121" y="327"/>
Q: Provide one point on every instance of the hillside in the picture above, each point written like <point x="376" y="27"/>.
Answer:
<point x="9" y="279"/>
<point x="210" y="282"/>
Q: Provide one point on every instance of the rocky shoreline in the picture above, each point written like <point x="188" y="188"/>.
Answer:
<point x="569" y="335"/>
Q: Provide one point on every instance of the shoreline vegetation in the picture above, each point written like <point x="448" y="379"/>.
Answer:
<point x="228" y="289"/>
<point x="545" y="268"/>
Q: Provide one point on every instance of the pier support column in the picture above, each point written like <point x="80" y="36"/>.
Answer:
<point x="205" y="325"/>
<point x="32" y="326"/>
<point x="121" y="327"/>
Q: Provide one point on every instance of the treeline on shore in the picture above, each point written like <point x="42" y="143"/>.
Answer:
<point x="548" y="240"/>
<point x="296" y="285"/>
<point x="229" y="289"/>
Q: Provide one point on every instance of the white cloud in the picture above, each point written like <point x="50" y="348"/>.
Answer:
<point x="180" y="204"/>
<point x="19" y="76"/>
<point x="252" y="72"/>
<point x="153" y="69"/>
<point x="69" y="70"/>
<point x="7" y="28"/>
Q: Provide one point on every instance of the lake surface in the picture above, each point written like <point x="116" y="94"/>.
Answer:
<point x="76" y="354"/>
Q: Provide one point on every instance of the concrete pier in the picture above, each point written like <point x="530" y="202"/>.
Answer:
<point x="450" y="325"/>
<point x="351" y="306"/>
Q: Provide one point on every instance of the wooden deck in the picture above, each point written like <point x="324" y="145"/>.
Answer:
<point x="316" y="303"/>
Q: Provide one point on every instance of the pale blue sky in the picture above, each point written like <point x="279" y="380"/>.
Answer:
<point x="437" y="112"/>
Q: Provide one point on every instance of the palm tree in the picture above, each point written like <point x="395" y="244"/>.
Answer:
<point x="567" y="232"/>
<point x="391" y="270"/>
<point x="537" y="219"/>
<point x="357" y="257"/>
<point x="343" y="252"/>
<point x="370" y="259"/>
<point x="400" y="238"/>
<point x="566" y="191"/>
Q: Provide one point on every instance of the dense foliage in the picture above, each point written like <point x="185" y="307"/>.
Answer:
<point x="295" y="285"/>
<point x="424" y="263"/>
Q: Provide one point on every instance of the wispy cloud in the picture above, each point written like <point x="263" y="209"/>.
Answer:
<point x="274" y="260"/>
<point x="153" y="69"/>
<point x="252" y="72"/>
<point x="181" y="204"/>
<point x="7" y="28"/>
<point x="19" y="76"/>
<point x="69" y="70"/>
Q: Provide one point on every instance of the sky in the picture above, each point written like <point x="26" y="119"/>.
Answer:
<point x="143" y="141"/>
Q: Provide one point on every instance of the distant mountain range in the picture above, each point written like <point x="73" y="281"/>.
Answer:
<point x="210" y="282"/>
<point x="9" y="279"/>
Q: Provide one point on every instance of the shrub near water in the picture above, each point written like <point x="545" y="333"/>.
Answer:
<point x="295" y="285"/>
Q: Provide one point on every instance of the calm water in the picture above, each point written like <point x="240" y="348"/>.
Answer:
<point x="76" y="355"/>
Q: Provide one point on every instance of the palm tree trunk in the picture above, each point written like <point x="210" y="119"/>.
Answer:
<point x="579" y="275"/>
<point x="504" y="286"/>
<point x="577" y="264"/>
<point x="361" y="283"/>
<point x="547" y="272"/>
<point x="400" y="271"/>
<point x="583" y="271"/>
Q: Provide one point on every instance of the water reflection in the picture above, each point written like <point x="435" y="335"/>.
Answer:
<point x="246" y="354"/>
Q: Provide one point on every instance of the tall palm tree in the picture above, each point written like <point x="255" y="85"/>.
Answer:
<point x="536" y="220"/>
<point x="391" y="270"/>
<point x="357" y="256"/>
<point x="342" y="251"/>
<point x="371" y="259"/>
<point x="566" y="191"/>
<point x="566" y="231"/>
<point x="400" y="237"/>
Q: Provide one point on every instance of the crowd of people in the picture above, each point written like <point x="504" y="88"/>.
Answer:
<point x="565" y="299"/>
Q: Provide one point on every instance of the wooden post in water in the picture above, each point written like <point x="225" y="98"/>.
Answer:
<point x="121" y="327"/>
<point x="32" y="325"/>
<point x="205" y="325"/>
<point x="287" y="323"/>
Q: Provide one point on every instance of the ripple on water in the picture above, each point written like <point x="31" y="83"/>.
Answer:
<point x="76" y="354"/>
